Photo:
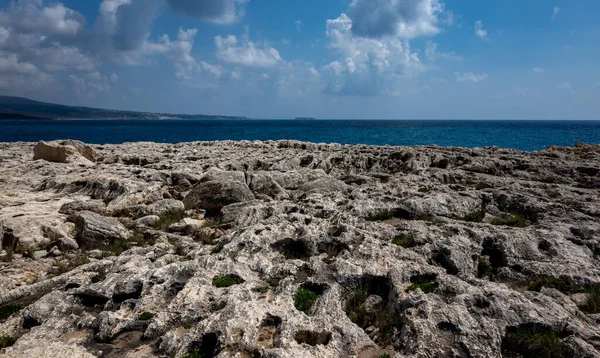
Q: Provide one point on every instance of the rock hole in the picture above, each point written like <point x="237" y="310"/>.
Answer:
<point x="332" y="248"/>
<point x="496" y="253"/>
<point x="447" y="326"/>
<point x="269" y="331"/>
<point x="91" y="299"/>
<point x="544" y="245"/>
<point x="444" y="258"/>
<point x="318" y="288"/>
<point x="292" y="249"/>
<point x="312" y="338"/>
<point x="208" y="346"/>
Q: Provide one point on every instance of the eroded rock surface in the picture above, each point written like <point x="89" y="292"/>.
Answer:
<point x="291" y="249"/>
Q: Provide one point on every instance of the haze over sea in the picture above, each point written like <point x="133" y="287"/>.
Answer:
<point x="523" y="135"/>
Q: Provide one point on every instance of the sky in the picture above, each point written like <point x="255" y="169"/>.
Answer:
<point x="346" y="59"/>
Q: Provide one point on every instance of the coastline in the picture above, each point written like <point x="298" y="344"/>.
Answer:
<point x="292" y="245"/>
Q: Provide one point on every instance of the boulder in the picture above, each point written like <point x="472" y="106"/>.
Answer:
<point x="94" y="229"/>
<point x="164" y="207"/>
<point x="214" y="195"/>
<point x="64" y="151"/>
<point x="96" y="206"/>
<point x="263" y="183"/>
<point x="324" y="185"/>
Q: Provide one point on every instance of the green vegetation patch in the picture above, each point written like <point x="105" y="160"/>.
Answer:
<point x="564" y="284"/>
<point x="7" y="341"/>
<point x="169" y="218"/>
<point x="484" y="268"/>
<point x="8" y="310"/>
<point x="145" y="316"/>
<point x="227" y="280"/>
<point x="553" y="193"/>
<point x="217" y="306"/>
<point x="424" y="189"/>
<point x="532" y="340"/>
<point x="592" y="302"/>
<point x="68" y="264"/>
<point x="474" y="216"/>
<point x="304" y="299"/>
<point x="514" y="220"/>
<point x="427" y="283"/>
<point x="405" y="240"/>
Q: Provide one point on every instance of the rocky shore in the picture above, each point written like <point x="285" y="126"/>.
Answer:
<point x="292" y="249"/>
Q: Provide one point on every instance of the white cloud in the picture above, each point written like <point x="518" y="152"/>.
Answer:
<point x="114" y="77"/>
<point x="432" y="53"/>
<point x="298" y="25"/>
<point x="566" y="86"/>
<point x="11" y="63"/>
<point x="538" y="70"/>
<point x="401" y="18"/>
<point x="244" y="52"/>
<point x="215" y="11"/>
<point x="470" y="77"/>
<point x="480" y="31"/>
<point x="30" y="16"/>
<point x="367" y="66"/>
<point x="555" y="12"/>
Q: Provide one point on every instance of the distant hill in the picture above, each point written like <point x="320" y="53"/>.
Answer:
<point x="24" y="108"/>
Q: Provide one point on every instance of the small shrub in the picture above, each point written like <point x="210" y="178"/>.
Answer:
<point x="564" y="284"/>
<point x="188" y="326"/>
<point x="227" y="280"/>
<point x="304" y="299"/>
<point x="425" y="282"/>
<point x="514" y="220"/>
<point x="8" y="310"/>
<point x="217" y="306"/>
<point x="145" y="316"/>
<point x="592" y="302"/>
<point x="169" y="218"/>
<point x="532" y="340"/>
<point x="474" y="216"/>
<point x="404" y="240"/>
<point x="69" y="264"/>
<point x="385" y="355"/>
<point x="258" y="231"/>
<point x="484" y="268"/>
<point x="218" y="248"/>
<point x="553" y="193"/>
<point x="180" y="250"/>
<point x="7" y="341"/>
<point x="424" y="189"/>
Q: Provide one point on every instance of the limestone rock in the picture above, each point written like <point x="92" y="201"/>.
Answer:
<point x="64" y="151"/>
<point x="94" y="229"/>
<point x="212" y="196"/>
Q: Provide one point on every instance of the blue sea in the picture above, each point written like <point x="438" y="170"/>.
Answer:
<point x="523" y="135"/>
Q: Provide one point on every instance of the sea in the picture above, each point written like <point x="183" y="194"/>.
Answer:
<point x="527" y="135"/>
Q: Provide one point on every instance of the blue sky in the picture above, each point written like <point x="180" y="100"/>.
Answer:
<point x="389" y="59"/>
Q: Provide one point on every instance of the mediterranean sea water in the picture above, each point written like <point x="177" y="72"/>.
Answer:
<point x="523" y="135"/>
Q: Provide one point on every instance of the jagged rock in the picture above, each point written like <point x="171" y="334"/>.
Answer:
<point x="410" y="251"/>
<point x="64" y="151"/>
<point x="212" y="196"/>
<point x="149" y="220"/>
<point x="96" y="206"/>
<point x="95" y="229"/>
<point x="164" y="207"/>
<point x="324" y="185"/>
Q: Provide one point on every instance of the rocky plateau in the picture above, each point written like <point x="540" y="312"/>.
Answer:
<point x="293" y="249"/>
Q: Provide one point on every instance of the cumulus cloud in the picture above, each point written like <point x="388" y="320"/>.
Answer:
<point x="366" y="66"/>
<point x="244" y="52"/>
<point x="470" y="77"/>
<point x="555" y="12"/>
<point x="538" y="70"/>
<point x="401" y="18"/>
<point x="216" y="11"/>
<point x="298" y="25"/>
<point x="480" y="31"/>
